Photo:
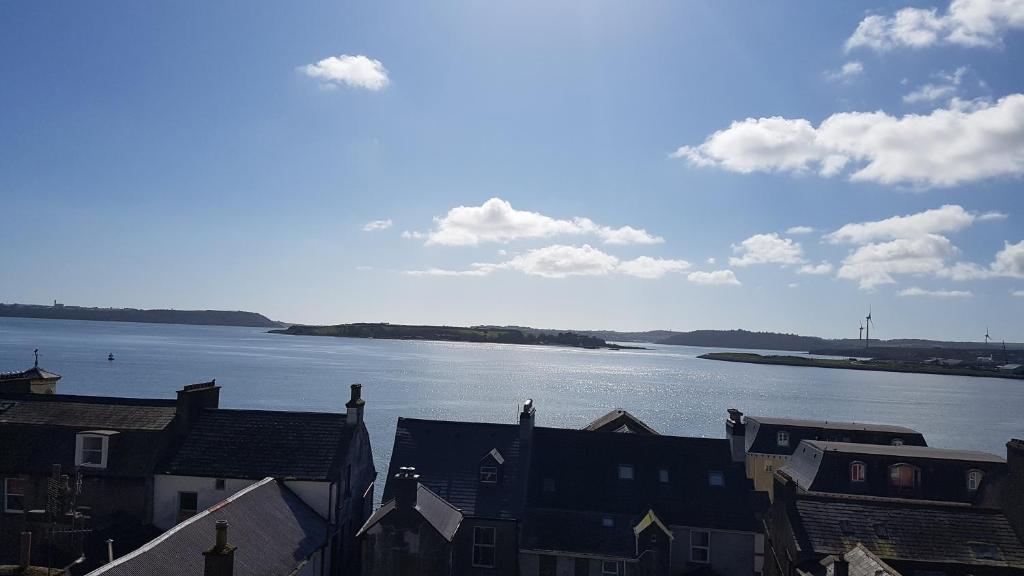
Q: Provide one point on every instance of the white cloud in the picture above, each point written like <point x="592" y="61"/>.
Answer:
<point x="1018" y="293"/>
<point x="413" y="235"/>
<point x="816" y="269"/>
<point x="935" y="293"/>
<point x="561" y="261"/>
<point x="717" y="277"/>
<point x="794" y="230"/>
<point x="356" y="71"/>
<point x="947" y="87"/>
<point x="793" y="285"/>
<point x="874" y="264"/>
<point x="711" y="260"/>
<point x="849" y="71"/>
<point x="375" y="225"/>
<point x="497" y="221"/>
<point x="1010" y="260"/>
<point x="767" y="249"/>
<point x="964" y="23"/>
<point x="962" y="143"/>
<point x="948" y="218"/>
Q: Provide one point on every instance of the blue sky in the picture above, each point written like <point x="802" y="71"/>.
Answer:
<point x="230" y="155"/>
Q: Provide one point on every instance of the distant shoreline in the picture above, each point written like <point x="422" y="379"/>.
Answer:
<point x="182" y="317"/>
<point x="480" y="335"/>
<point x="850" y="364"/>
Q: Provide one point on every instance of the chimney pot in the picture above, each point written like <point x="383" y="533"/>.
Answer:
<point x="526" y="419"/>
<point x="354" y="406"/>
<point x="222" y="533"/>
<point x="220" y="560"/>
<point x="406" y="485"/>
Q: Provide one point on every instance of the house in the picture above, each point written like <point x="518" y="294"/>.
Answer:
<point x="265" y="529"/>
<point x="917" y="472"/>
<point x="35" y="380"/>
<point x="766" y="444"/>
<point x="914" y="532"/>
<point x="613" y="498"/>
<point x="85" y="461"/>
<point x="323" y="457"/>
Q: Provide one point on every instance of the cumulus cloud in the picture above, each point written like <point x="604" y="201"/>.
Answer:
<point x="964" y="23"/>
<point x="766" y="249"/>
<point x="946" y="87"/>
<point x="1009" y="261"/>
<point x="920" y="292"/>
<point x="816" y="269"/>
<point x="874" y="264"/>
<point x="1018" y="293"/>
<point x="375" y="225"/>
<point x="848" y="72"/>
<point x="795" y="230"/>
<point x="497" y="221"/>
<point x="561" y="261"/>
<point x="716" y="277"/>
<point x="947" y="218"/>
<point x="949" y="146"/>
<point x="356" y="71"/>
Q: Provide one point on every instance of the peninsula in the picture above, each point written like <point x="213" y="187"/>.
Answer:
<point x="193" y="317"/>
<point x="483" y="334"/>
<point x="949" y="369"/>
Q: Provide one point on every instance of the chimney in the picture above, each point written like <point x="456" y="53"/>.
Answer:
<point x="1013" y="494"/>
<point x="526" y="418"/>
<point x="406" y="485"/>
<point x="735" y="432"/>
<point x="192" y="399"/>
<point x="836" y="565"/>
<point x="25" y="559"/>
<point x="354" y="407"/>
<point x="220" y="560"/>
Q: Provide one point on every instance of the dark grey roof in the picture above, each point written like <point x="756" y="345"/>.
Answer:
<point x="86" y="412"/>
<point x="896" y="530"/>
<point x="260" y="443"/>
<point x="831" y="425"/>
<point x="34" y="373"/>
<point x="905" y="451"/>
<point x="616" y="419"/>
<point x="447" y="457"/>
<point x="273" y="529"/>
<point x="441" y="515"/>
<point x="761" y="433"/>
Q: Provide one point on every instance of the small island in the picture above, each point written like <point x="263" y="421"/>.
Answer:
<point x="859" y="364"/>
<point x="482" y="334"/>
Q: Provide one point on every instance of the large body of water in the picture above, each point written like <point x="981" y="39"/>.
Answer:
<point x="666" y="386"/>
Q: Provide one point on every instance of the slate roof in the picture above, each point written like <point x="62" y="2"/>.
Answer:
<point x="580" y="532"/>
<point x="259" y="443"/>
<point x="273" y="529"/>
<point x="86" y="412"/>
<point x="34" y="373"/>
<point x="447" y="457"/>
<point x="906" y="451"/>
<point x="832" y="425"/>
<point x="441" y="515"/>
<point x="911" y="531"/>
<point x="761" y="433"/>
<point x="616" y="419"/>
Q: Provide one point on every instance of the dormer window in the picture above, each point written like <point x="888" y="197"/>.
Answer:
<point x="782" y="438"/>
<point x="490" y="467"/>
<point x="897" y="441"/>
<point x="904" y="476"/>
<point x="858" y="472"/>
<point x="488" y="474"/>
<point x="91" y="448"/>
<point x="974" y="479"/>
<point x="625" y="471"/>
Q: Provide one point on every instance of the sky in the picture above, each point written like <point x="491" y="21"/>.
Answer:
<point x="783" y="166"/>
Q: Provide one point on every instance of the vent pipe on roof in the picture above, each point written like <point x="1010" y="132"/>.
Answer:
<point x="220" y="560"/>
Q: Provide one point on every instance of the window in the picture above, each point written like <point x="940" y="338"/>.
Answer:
<point x="625" y="471"/>
<point x="782" y="438"/>
<point x="91" y="450"/>
<point x="581" y="567"/>
<point x="219" y="484"/>
<point x="14" y="495"/>
<point x="985" y="551"/>
<point x="483" y="546"/>
<point x="188" y="505"/>
<point x="716" y="478"/>
<point x="700" y="546"/>
<point x="858" y="472"/>
<point x="489" y="474"/>
<point x="904" y="476"/>
<point x="608" y="522"/>
<point x="548" y="565"/>
<point x="897" y="441"/>
<point x="611" y="568"/>
<point x="663" y="476"/>
<point x="974" y="479"/>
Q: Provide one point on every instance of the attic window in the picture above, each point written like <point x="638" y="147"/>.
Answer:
<point x="897" y="441"/>
<point x="488" y="474"/>
<point x="974" y="479"/>
<point x="663" y="476"/>
<point x="782" y="438"/>
<point x="608" y="522"/>
<point x="625" y="471"/>
<point x="91" y="449"/>
<point x="858" y="472"/>
<point x="716" y="478"/>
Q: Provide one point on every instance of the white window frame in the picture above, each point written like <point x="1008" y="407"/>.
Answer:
<point x="857" y="464"/>
<point x="706" y="549"/>
<point x="782" y="438"/>
<point x="8" y="493"/>
<point x="626" y="472"/>
<point x="493" y="546"/>
<point x="80" y="449"/>
<point x="488" y="474"/>
<point x="616" y="568"/>
<point x="974" y="478"/>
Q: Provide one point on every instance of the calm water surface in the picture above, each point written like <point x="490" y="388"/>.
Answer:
<point x="666" y="386"/>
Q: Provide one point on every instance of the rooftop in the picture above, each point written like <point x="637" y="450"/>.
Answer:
<point x="444" y="517"/>
<point x="831" y="425"/>
<point x="619" y="420"/>
<point x="86" y="412"/>
<point x="905" y="451"/>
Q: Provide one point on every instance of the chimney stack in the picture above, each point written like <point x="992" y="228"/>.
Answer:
<point x="192" y="400"/>
<point x="1013" y="494"/>
<point x="526" y="418"/>
<point x="354" y="407"/>
<point x="220" y="560"/>
<point x="836" y="565"/>
<point x="735" y="432"/>
<point x="406" y="485"/>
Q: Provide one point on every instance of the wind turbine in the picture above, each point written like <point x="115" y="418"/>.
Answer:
<point x="867" y="326"/>
<point x="987" y="337"/>
<point x="860" y="335"/>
